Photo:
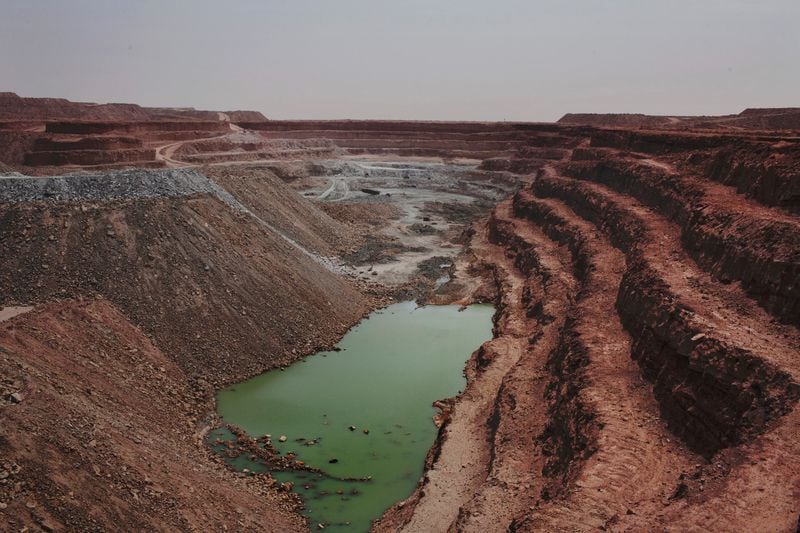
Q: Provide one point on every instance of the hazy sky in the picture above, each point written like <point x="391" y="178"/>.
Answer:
<point x="408" y="59"/>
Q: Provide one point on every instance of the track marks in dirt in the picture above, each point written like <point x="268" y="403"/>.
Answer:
<point x="513" y="482"/>
<point x="638" y="461"/>
<point x="722" y="310"/>
<point x="750" y="487"/>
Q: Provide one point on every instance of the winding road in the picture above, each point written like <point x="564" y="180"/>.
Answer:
<point x="338" y="190"/>
<point x="165" y="152"/>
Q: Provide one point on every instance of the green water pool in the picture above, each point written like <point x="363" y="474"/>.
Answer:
<point x="390" y="369"/>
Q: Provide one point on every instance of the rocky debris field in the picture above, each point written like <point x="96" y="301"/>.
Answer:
<point x="429" y="205"/>
<point x="120" y="185"/>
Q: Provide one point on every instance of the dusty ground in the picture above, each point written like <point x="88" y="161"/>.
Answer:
<point x="417" y="231"/>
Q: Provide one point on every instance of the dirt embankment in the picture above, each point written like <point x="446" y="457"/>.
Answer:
<point x="220" y="291"/>
<point x="104" y="432"/>
<point x="266" y="195"/>
<point x="767" y="172"/>
<point x="735" y="239"/>
<point x="787" y="118"/>
<point x="14" y="107"/>
<point x="764" y="167"/>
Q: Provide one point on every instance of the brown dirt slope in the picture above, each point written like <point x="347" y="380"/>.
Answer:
<point x="102" y="434"/>
<point x="266" y="195"/>
<point x="222" y="294"/>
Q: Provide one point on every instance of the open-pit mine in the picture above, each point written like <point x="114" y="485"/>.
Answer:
<point x="210" y="320"/>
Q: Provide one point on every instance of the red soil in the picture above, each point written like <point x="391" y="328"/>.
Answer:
<point x="108" y="434"/>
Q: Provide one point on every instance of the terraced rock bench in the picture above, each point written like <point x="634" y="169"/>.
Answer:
<point x="716" y="386"/>
<point x="731" y="237"/>
<point x="88" y="157"/>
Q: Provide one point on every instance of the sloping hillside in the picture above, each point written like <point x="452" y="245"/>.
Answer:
<point x="223" y="293"/>
<point x="266" y="195"/>
<point x="101" y="434"/>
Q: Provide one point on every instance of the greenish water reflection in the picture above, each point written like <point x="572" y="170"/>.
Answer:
<point x="392" y="367"/>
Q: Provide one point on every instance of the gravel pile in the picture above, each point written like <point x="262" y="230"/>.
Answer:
<point x="130" y="185"/>
<point x="117" y="185"/>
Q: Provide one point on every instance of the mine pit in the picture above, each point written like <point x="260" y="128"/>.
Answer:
<point x="605" y="334"/>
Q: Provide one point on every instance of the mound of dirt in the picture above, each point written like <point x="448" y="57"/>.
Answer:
<point x="103" y="432"/>
<point x="245" y="116"/>
<point x="266" y="195"/>
<point x="224" y="293"/>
